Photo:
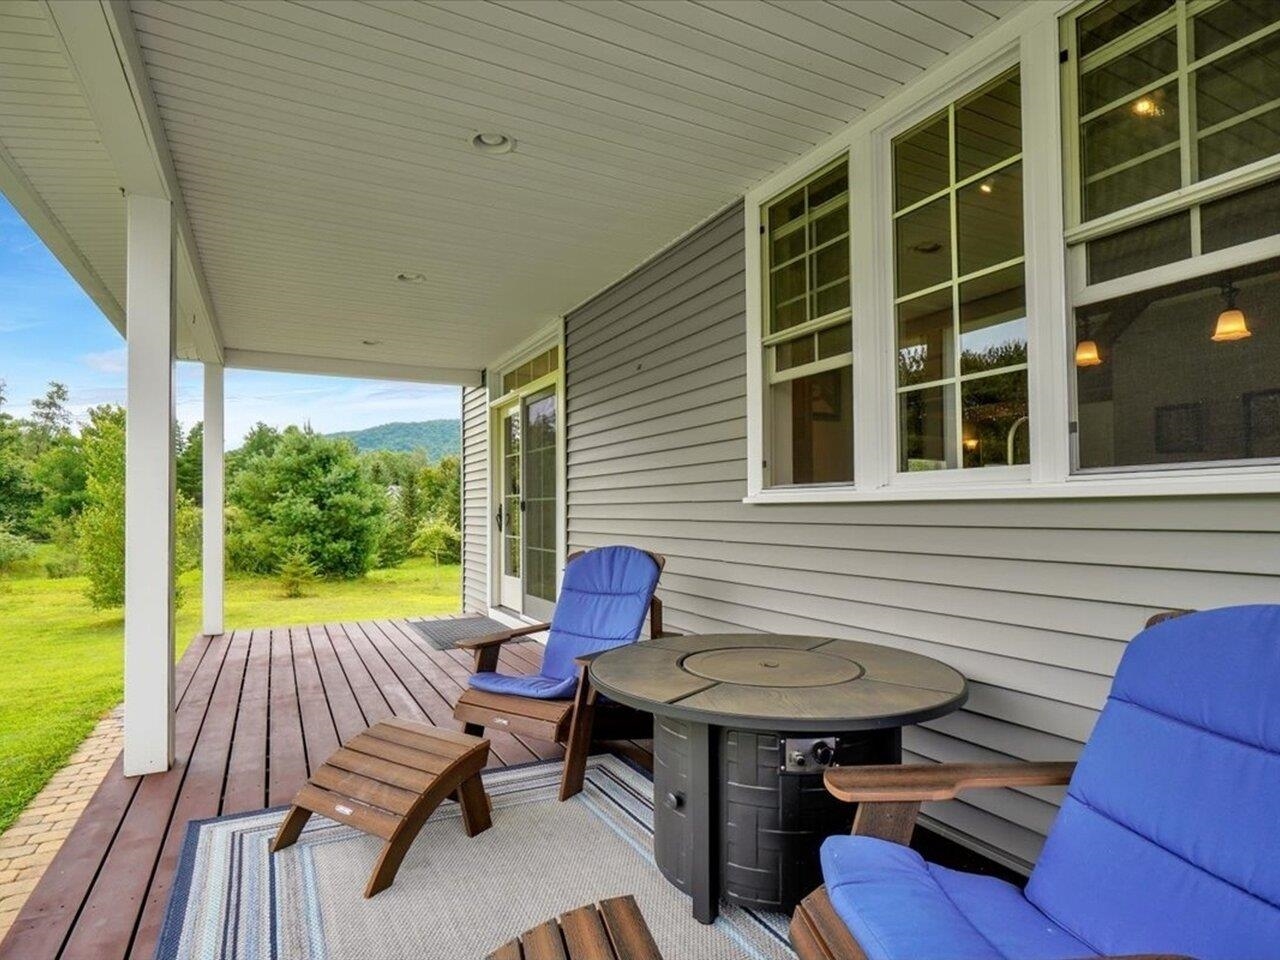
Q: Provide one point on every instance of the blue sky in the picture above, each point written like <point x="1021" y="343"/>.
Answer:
<point x="50" y="330"/>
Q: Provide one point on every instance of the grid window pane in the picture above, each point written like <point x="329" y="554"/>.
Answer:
<point x="1130" y="153"/>
<point x="1113" y="20"/>
<point x="1149" y="245"/>
<point x="1129" y="72"/>
<point x="989" y="220"/>
<point x="809" y="251"/>
<point x="1241" y="217"/>
<point x="989" y="127"/>
<point x="926" y="338"/>
<point x="1167" y="392"/>
<point x="794" y="353"/>
<point x="995" y="429"/>
<point x="926" y="425"/>
<point x="1224" y="24"/>
<point x="922" y="246"/>
<point x="921" y="161"/>
<point x="993" y="321"/>
<point x="834" y="341"/>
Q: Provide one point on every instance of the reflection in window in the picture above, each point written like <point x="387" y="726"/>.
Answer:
<point x="960" y="306"/>
<point x="812" y="428"/>
<point x="1186" y="373"/>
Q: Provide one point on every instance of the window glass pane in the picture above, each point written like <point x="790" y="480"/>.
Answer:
<point x="996" y="431"/>
<point x="812" y="428"/>
<point x="1238" y="82"/>
<point x="989" y="127"/>
<point x="834" y="341"/>
<point x="1140" y="248"/>
<point x="1224" y="24"/>
<point x="1113" y="20"/>
<point x="1129" y="72"/>
<point x="920" y="163"/>
<point x="993" y="321"/>
<point x="926" y="338"/>
<point x="1253" y="139"/>
<point x="793" y="353"/>
<point x="809" y="251"/>
<point x="1241" y="217"/>
<point x="922" y="246"/>
<point x="1165" y="391"/>
<point x="989" y="220"/>
<point x="1130" y="153"/>
<point x="926" y="424"/>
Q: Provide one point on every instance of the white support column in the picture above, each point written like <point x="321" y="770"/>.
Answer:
<point x="213" y="566"/>
<point x="149" y="489"/>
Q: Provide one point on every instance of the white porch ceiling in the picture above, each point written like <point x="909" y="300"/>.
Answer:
<point x="323" y="147"/>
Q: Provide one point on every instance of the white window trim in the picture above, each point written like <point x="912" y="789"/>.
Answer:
<point x="1032" y="37"/>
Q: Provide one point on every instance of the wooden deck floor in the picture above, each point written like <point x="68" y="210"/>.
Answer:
<point x="257" y="710"/>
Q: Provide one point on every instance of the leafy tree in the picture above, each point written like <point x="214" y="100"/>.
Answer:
<point x="190" y="465"/>
<point x="261" y="440"/>
<point x="397" y="537"/>
<point x="309" y="494"/>
<point x="100" y="528"/>
<point x="296" y="571"/>
<point x="50" y="419"/>
<point x="101" y="524"/>
<point x="59" y="476"/>
<point x="441" y="491"/>
<point x="18" y="495"/>
<point x="438" y="540"/>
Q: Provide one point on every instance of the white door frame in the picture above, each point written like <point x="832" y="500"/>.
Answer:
<point x="499" y="403"/>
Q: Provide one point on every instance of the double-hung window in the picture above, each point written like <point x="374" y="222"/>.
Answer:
<point x="1173" y="228"/>
<point x="807" y="333"/>
<point x="959" y="293"/>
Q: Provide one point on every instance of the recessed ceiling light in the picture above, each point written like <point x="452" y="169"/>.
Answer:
<point x="493" y="143"/>
<point x="410" y="277"/>
<point x="371" y="343"/>
<point x="986" y="187"/>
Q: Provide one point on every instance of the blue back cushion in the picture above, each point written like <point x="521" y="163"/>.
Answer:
<point x="1169" y="838"/>
<point x="603" y="601"/>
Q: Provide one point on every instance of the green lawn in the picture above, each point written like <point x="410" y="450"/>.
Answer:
<point x="60" y="660"/>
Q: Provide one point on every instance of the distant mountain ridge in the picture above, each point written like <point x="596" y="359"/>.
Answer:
<point x="439" y="438"/>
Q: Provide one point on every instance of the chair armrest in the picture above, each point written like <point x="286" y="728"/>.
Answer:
<point x="894" y="783"/>
<point x="497" y="639"/>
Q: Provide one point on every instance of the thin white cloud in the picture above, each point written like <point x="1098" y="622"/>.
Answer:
<point x="108" y="361"/>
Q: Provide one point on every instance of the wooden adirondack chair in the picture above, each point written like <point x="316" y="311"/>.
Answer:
<point x="604" y="598"/>
<point x="612" y="929"/>
<point x="1165" y="844"/>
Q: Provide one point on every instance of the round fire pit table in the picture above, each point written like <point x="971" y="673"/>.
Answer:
<point x="744" y="725"/>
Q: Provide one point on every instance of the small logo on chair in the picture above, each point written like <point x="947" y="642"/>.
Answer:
<point x="345" y="811"/>
<point x="500" y="721"/>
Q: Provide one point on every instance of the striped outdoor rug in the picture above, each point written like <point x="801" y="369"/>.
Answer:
<point x="454" y="898"/>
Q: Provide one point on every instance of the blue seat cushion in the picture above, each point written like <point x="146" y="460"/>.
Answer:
<point x="537" y="686"/>
<point x="900" y="907"/>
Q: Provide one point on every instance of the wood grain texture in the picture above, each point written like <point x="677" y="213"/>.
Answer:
<point x="939" y="781"/>
<point x="613" y="929"/>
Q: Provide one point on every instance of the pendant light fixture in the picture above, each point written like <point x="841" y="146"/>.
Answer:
<point x="1231" y="323"/>
<point x="1087" y="354"/>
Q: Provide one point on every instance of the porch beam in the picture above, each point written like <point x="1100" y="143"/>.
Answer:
<point x="149" y="487"/>
<point x="213" y="566"/>
<point x="336" y="367"/>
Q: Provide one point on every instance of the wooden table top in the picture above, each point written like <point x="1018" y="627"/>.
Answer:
<point x="782" y="683"/>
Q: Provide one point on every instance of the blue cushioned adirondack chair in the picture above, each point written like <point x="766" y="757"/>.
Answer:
<point x="1168" y="841"/>
<point x="604" y="598"/>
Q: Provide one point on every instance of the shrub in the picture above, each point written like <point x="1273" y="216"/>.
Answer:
<point x="100" y="527"/>
<point x="14" y="549"/>
<point x="296" y="572"/>
<point x="438" y="540"/>
<point x="398" y="534"/>
<point x="61" y="566"/>
<point x="308" y="494"/>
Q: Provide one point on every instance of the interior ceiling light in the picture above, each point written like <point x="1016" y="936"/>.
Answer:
<point x="493" y="143"/>
<point x="410" y="277"/>
<point x="1231" y="323"/>
<point x="986" y="187"/>
<point x="1147" y="107"/>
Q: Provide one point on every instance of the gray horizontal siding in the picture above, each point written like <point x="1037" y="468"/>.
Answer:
<point x="475" y="499"/>
<point x="1032" y="600"/>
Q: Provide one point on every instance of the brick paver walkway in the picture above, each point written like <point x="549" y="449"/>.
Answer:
<point x="28" y="846"/>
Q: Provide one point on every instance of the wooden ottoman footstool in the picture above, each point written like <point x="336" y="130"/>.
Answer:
<point x="387" y="781"/>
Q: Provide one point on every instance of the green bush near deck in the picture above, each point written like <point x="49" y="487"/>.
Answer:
<point x="61" y="660"/>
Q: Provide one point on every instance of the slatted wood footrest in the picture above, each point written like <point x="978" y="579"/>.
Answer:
<point x="609" y="930"/>
<point x="387" y="781"/>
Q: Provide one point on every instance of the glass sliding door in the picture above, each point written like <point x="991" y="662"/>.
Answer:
<point x="540" y="506"/>
<point x="510" y="511"/>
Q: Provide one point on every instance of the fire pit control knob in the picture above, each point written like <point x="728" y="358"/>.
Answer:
<point x="822" y="753"/>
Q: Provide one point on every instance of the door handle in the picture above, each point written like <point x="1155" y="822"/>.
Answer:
<point x="497" y="518"/>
